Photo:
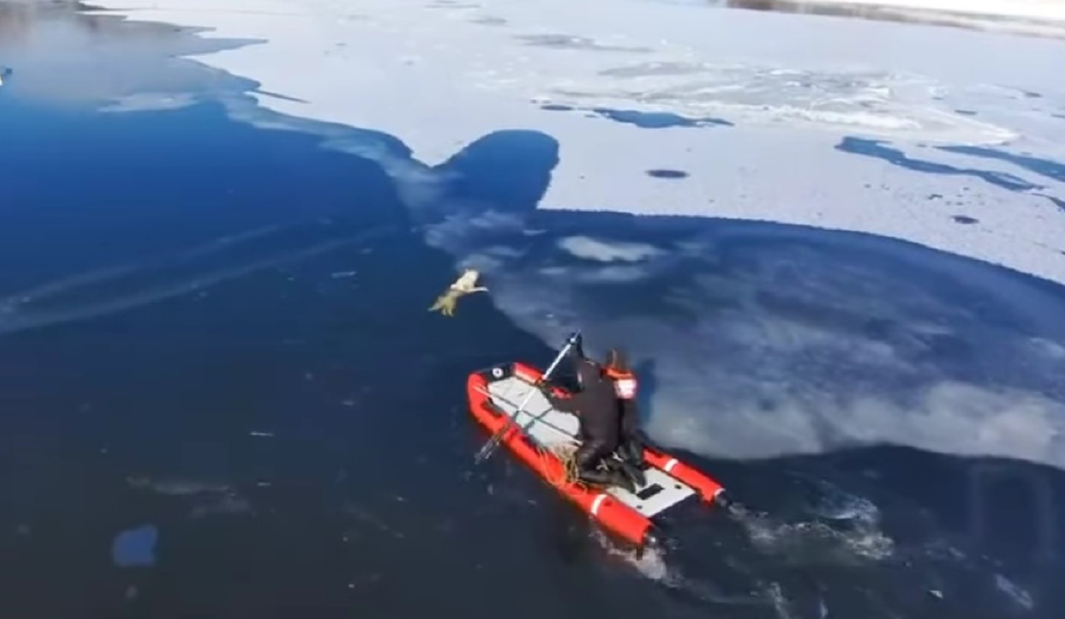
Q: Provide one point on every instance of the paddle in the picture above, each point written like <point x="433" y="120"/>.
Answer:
<point x="490" y="447"/>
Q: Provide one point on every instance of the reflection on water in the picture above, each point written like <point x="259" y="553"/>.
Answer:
<point x="18" y="18"/>
<point x="61" y="54"/>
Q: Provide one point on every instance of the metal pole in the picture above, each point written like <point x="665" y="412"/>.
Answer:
<point x="539" y="420"/>
<point x="490" y="447"/>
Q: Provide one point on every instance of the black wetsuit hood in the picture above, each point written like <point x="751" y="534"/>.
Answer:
<point x="618" y="359"/>
<point x="588" y="376"/>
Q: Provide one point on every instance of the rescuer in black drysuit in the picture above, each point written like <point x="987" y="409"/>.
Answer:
<point x="616" y="370"/>
<point x="596" y="407"/>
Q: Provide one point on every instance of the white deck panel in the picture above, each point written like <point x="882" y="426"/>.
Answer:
<point x="552" y="428"/>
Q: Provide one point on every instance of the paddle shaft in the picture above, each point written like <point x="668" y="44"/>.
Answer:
<point x="510" y="402"/>
<point x="490" y="447"/>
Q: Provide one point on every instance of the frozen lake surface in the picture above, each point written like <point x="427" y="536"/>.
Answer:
<point x="213" y="306"/>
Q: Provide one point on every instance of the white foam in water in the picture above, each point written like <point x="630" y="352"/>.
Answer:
<point x="815" y="542"/>
<point x="651" y="563"/>
<point x="1022" y="598"/>
<point x="592" y="249"/>
<point x="654" y="564"/>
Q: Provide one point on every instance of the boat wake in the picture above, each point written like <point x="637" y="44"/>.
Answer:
<point x="655" y="564"/>
<point x="835" y="528"/>
<point x="814" y="541"/>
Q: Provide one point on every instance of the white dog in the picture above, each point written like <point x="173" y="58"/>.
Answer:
<point x="467" y="282"/>
<point x="464" y="285"/>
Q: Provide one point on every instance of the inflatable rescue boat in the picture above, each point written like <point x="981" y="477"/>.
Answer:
<point x="541" y="436"/>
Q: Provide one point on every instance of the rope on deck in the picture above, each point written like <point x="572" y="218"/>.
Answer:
<point x="565" y="453"/>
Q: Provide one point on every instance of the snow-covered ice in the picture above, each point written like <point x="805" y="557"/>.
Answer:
<point x="439" y="74"/>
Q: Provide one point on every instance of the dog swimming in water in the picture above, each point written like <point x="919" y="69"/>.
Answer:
<point x="464" y="285"/>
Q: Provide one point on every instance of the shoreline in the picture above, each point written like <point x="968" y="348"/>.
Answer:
<point x="1029" y="18"/>
<point x="1050" y="11"/>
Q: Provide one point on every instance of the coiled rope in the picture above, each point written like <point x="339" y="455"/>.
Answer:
<point x="565" y="453"/>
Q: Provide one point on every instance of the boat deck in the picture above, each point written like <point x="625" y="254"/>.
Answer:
<point x="553" y="429"/>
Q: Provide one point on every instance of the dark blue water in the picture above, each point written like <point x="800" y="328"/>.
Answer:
<point x="643" y="120"/>
<point x="270" y="426"/>
<point x="1042" y="167"/>
<point x="670" y="174"/>
<point x="875" y="148"/>
<point x="135" y="547"/>
<point x="221" y="332"/>
<point x="658" y="120"/>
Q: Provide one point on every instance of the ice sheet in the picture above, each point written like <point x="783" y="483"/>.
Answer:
<point x="439" y="75"/>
